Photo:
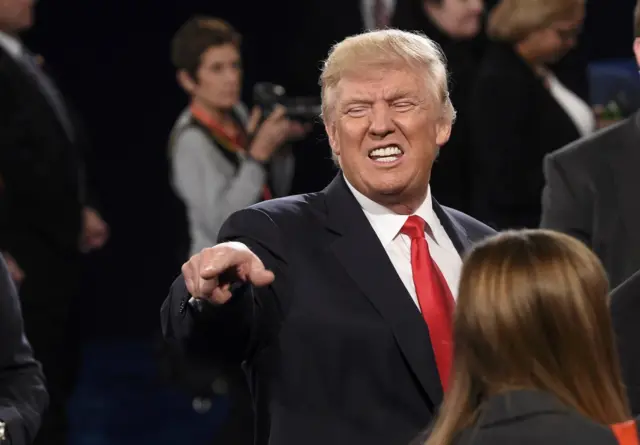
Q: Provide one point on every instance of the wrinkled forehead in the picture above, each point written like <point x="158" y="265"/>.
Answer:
<point x="380" y="83"/>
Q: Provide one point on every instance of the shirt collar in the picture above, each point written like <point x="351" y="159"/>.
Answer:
<point x="11" y="44"/>
<point x="387" y="224"/>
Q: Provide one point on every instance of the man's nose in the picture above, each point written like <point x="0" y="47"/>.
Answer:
<point x="381" y="122"/>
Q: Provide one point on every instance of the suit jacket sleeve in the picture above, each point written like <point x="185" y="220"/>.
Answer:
<point x="499" y="114"/>
<point x="563" y="207"/>
<point x="235" y="331"/>
<point x="23" y="396"/>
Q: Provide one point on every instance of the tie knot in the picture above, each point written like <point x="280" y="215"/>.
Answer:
<point x="414" y="227"/>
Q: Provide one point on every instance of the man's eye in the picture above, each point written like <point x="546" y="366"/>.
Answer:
<point x="356" y="111"/>
<point x="402" y="105"/>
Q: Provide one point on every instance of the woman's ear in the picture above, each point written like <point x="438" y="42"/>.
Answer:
<point x="186" y="82"/>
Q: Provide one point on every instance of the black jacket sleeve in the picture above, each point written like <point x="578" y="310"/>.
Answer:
<point x="23" y="397"/>
<point x="236" y="331"/>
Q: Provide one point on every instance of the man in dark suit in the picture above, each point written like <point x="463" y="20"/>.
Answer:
<point x="339" y="303"/>
<point x="23" y="396"/>
<point x="625" y="308"/>
<point x="45" y="221"/>
<point x="591" y="187"/>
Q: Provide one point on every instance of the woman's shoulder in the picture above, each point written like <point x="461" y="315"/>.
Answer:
<point x="551" y="428"/>
<point x="529" y="417"/>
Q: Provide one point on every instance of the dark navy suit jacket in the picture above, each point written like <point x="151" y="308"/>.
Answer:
<point x="335" y="349"/>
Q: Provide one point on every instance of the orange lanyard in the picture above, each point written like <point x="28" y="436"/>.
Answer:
<point x="232" y="143"/>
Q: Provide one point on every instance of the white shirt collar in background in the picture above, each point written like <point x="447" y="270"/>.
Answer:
<point x="11" y="45"/>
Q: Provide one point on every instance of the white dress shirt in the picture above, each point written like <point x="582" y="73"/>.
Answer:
<point x="387" y="226"/>
<point x="577" y="109"/>
<point x="11" y="45"/>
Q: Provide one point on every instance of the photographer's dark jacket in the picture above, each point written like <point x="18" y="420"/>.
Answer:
<point x="214" y="182"/>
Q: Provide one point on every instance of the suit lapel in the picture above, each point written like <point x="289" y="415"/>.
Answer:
<point x="456" y="232"/>
<point x="362" y="255"/>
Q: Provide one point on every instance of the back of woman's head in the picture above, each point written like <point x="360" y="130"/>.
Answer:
<point x="532" y="313"/>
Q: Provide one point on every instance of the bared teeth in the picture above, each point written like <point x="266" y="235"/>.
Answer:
<point x="391" y="151"/>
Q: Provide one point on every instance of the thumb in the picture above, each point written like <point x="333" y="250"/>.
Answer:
<point x="259" y="276"/>
<point x="254" y="119"/>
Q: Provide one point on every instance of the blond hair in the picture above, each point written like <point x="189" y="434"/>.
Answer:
<point x="512" y="20"/>
<point x="386" y="48"/>
<point x="532" y="313"/>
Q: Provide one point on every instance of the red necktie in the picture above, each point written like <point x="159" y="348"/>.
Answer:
<point x="434" y="297"/>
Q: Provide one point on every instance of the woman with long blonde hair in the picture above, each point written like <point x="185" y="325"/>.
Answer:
<point x="534" y="356"/>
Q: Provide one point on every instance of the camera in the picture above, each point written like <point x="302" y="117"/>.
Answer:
<point x="268" y="95"/>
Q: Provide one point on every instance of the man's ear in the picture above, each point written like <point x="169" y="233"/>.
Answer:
<point x="186" y="81"/>
<point x="443" y="132"/>
<point x="330" y="128"/>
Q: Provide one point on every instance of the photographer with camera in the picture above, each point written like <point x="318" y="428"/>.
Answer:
<point x="223" y="160"/>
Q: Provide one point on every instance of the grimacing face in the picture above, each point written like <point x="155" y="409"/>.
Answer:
<point x="386" y="128"/>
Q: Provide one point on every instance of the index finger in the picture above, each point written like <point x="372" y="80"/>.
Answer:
<point x="254" y="120"/>
<point x="218" y="260"/>
<point x="278" y="113"/>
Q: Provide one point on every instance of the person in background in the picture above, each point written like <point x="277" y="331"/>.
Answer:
<point x="520" y="111"/>
<point x="223" y="159"/>
<point x="520" y="376"/>
<point x="377" y="14"/>
<point x="48" y="217"/>
<point x="456" y="25"/>
<point x="339" y="302"/>
<point x="23" y="396"/>
<point x="590" y="191"/>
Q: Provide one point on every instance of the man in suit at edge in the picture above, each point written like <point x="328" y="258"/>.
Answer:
<point x="591" y="191"/>
<point x="23" y="396"/>
<point x="339" y="303"/>
<point x="46" y="221"/>
<point x="625" y="309"/>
